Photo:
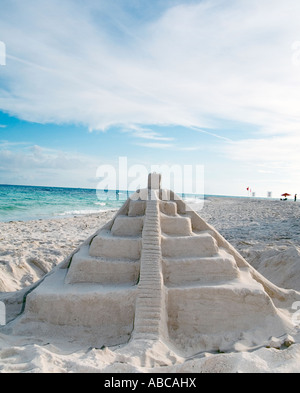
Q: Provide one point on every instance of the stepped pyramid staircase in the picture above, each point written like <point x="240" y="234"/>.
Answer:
<point x="157" y="271"/>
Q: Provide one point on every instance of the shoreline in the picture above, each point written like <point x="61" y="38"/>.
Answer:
<point x="60" y="216"/>
<point x="84" y="213"/>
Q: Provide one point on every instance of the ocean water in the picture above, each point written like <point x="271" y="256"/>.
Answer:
<point x="23" y="203"/>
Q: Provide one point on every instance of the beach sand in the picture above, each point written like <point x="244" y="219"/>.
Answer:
<point x="265" y="232"/>
<point x="30" y="249"/>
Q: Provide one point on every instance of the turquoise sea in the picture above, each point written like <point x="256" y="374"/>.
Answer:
<point x="23" y="203"/>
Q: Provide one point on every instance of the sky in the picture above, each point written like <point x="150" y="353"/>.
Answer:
<point x="166" y="83"/>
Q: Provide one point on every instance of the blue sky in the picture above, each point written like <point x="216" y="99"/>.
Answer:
<point x="163" y="82"/>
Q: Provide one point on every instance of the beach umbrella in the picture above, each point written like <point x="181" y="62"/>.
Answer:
<point x="285" y="194"/>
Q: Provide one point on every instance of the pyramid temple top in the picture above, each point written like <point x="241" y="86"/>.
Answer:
<point x="154" y="181"/>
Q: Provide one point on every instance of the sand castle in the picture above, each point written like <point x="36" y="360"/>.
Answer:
<point x="156" y="272"/>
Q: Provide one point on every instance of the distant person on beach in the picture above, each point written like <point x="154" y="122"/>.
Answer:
<point x="295" y="198"/>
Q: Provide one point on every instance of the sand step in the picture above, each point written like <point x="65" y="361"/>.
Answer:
<point x="150" y="289"/>
<point x="149" y="316"/>
<point x="147" y="329"/>
<point x="145" y="303"/>
<point x="107" y="245"/>
<point x="176" y="225"/>
<point x="148" y="321"/>
<point x="85" y="268"/>
<point x="190" y="306"/>
<point x="149" y="280"/>
<point x="150" y="336"/>
<point x="178" y="271"/>
<point x="147" y="325"/>
<point x="148" y="301"/>
<point x="127" y="226"/>
<point x="136" y="208"/>
<point x="189" y="246"/>
<point x="169" y="208"/>
<point x="95" y="310"/>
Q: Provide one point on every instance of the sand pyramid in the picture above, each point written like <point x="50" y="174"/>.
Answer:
<point x="157" y="271"/>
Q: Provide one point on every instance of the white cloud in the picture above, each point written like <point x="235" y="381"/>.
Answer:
<point x="276" y="152"/>
<point x="156" y="145"/>
<point x="196" y="62"/>
<point x="193" y="64"/>
<point x="273" y="162"/>
<point x="7" y="144"/>
<point x="21" y="163"/>
<point x="145" y="133"/>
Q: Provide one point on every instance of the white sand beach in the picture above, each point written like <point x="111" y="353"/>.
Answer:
<point x="29" y="249"/>
<point x="265" y="232"/>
